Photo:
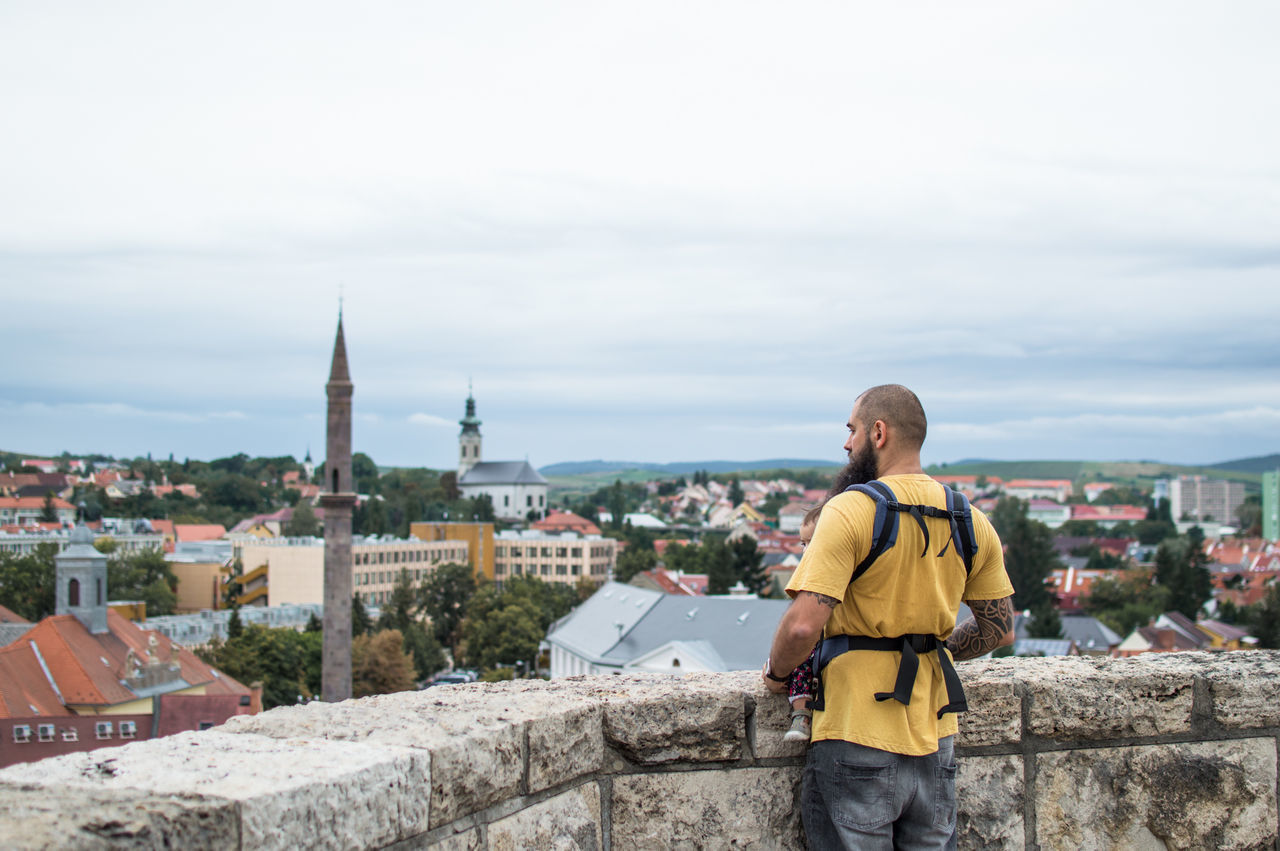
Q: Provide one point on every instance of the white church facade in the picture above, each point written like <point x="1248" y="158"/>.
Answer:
<point x="514" y="487"/>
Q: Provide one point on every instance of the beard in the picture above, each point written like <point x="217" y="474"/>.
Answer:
<point x="862" y="468"/>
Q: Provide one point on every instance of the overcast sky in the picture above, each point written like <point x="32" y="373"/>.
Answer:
<point x="656" y="232"/>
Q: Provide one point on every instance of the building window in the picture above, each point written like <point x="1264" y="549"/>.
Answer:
<point x="577" y="570"/>
<point x="21" y="733"/>
<point x="577" y="552"/>
<point x="506" y="500"/>
<point x="528" y="501"/>
<point x="546" y="552"/>
<point x="128" y="729"/>
<point x="561" y="552"/>
<point x="541" y="497"/>
<point x="546" y="570"/>
<point x="73" y="592"/>
<point x="561" y="570"/>
<point x="515" y="551"/>
<point x="102" y="729"/>
<point x="45" y="732"/>
<point x="71" y="734"/>
<point x="499" y="569"/>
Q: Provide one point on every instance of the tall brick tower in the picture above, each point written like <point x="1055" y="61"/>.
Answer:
<point x="338" y="499"/>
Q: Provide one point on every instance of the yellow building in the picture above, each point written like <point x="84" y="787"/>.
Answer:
<point x="200" y="584"/>
<point x="291" y="570"/>
<point x="477" y="536"/>
<point x="563" y="557"/>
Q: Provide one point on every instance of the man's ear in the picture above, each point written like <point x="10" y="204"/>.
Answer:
<point x="879" y="434"/>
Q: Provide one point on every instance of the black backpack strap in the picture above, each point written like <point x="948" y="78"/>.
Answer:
<point x="961" y="515"/>
<point x="910" y="646"/>
<point x="884" y="529"/>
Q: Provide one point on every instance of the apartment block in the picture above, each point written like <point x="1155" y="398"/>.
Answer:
<point x="1200" y="498"/>
<point x="564" y="557"/>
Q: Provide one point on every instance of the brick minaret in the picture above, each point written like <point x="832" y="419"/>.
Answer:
<point x="337" y="500"/>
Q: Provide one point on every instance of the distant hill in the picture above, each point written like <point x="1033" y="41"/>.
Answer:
<point x="680" y="468"/>
<point x="1261" y="464"/>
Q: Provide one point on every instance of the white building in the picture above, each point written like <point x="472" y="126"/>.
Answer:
<point x="514" y="487"/>
<point x="564" y="557"/>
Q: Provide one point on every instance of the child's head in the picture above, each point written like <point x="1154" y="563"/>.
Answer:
<point x="809" y="524"/>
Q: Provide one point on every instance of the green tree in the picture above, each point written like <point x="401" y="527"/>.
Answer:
<point x="748" y="564"/>
<point x="303" y="522"/>
<point x="379" y="664"/>
<point x="717" y="563"/>
<point x="27" y="582"/>
<point x="1029" y="554"/>
<point x="501" y="628"/>
<point x="48" y="512"/>
<point x="617" y="504"/>
<point x="285" y="661"/>
<point x="1249" y="514"/>
<point x="361" y="624"/>
<point x="632" y="561"/>
<point x="1182" y="568"/>
<point x="735" y="492"/>
<point x="444" y="596"/>
<point x="314" y="624"/>
<point x="365" y="473"/>
<point x="401" y="614"/>
<point x="1264" y="619"/>
<point x="1127" y="602"/>
<point x="1045" y="622"/>
<point x="235" y="626"/>
<point x="144" y="576"/>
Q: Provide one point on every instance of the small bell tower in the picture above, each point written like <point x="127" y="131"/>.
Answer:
<point x="469" y="438"/>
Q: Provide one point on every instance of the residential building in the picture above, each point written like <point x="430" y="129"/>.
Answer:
<point x="1109" y="516"/>
<point x="791" y="517"/>
<point x="27" y="511"/>
<point x="276" y="571"/>
<point x="1048" y="512"/>
<point x="86" y="678"/>
<point x="564" y="557"/>
<point x="478" y="538"/>
<point x="514" y="487"/>
<point x="1093" y="490"/>
<point x="1028" y="489"/>
<point x="1196" y="498"/>
<point x="197" y="629"/>
<point x="24" y="540"/>
<point x="624" y="628"/>
<point x="564" y="521"/>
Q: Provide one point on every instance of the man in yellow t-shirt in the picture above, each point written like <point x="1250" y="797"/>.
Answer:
<point x="881" y="769"/>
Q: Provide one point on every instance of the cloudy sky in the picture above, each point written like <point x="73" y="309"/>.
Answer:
<point x="657" y="232"/>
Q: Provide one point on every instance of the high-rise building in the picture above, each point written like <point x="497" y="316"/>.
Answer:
<point x="1200" y="498"/>
<point x="1271" y="505"/>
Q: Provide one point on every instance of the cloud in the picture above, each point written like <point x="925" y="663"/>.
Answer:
<point x="430" y="420"/>
<point x="1260" y="420"/>
<point x="118" y="410"/>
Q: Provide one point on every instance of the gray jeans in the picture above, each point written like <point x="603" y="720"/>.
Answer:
<point x="853" y="796"/>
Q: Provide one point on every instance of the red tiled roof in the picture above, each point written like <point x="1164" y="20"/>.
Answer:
<point x="24" y="689"/>
<point x="8" y="615"/>
<point x="31" y="502"/>
<point x="199" y="532"/>
<point x="89" y="668"/>
<point x="1039" y="483"/>
<point x="564" y="521"/>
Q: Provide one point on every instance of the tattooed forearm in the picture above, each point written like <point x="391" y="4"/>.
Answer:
<point x="829" y="602"/>
<point x="992" y="622"/>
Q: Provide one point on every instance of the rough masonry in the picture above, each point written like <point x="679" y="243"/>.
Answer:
<point x="1158" y="751"/>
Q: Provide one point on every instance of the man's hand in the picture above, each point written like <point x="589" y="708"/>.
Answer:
<point x="772" y="684"/>
<point x="798" y="632"/>
<point x="991" y="627"/>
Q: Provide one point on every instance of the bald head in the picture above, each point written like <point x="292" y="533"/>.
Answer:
<point x="898" y="408"/>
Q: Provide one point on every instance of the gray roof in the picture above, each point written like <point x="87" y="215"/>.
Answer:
<point x="620" y="623"/>
<point x="11" y="632"/>
<point x="1089" y="633"/>
<point x="502" y="473"/>
<point x="1042" y="647"/>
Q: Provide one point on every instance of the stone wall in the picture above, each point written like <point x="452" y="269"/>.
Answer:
<point x="1160" y="751"/>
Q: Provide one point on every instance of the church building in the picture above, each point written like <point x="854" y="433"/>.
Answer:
<point x="515" y="488"/>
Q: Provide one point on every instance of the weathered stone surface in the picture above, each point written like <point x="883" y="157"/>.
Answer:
<point x="1083" y="699"/>
<point x="768" y="716"/>
<point x="1197" y="795"/>
<point x="1244" y="687"/>
<point x="995" y="709"/>
<point x="653" y="719"/>
<point x="32" y="817"/>
<point x="569" y="820"/>
<point x="475" y="738"/>
<point x="729" y="808"/>
<point x="468" y="840"/>
<point x="289" y="793"/>
<point x="990" y="791"/>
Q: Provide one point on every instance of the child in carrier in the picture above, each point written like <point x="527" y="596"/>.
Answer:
<point x="802" y="683"/>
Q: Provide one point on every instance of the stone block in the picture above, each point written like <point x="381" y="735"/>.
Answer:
<point x="1190" y="795"/>
<point x="289" y="793"/>
<point x="728" y="808"/>
<point x="33" y="817"/>
<point x="1244" y="688"/>
<point x="990" y="791"/>
<point x="474" y="736"/>
<point x="1084" y="699"/>
<point x="569" y="820"/>
<point x="995" y="708"/>
<point x="660" y="719"/>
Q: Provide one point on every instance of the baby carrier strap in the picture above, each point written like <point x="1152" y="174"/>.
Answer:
<point x="884" y="529"/>
<point x="910" y="646"/>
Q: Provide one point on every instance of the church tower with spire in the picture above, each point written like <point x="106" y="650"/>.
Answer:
<point x="338" y="499"/>
<point x="469" y="438"/>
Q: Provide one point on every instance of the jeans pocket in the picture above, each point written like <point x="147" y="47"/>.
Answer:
<point x="864" y="799"/>
<point x="944" y="797"/>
